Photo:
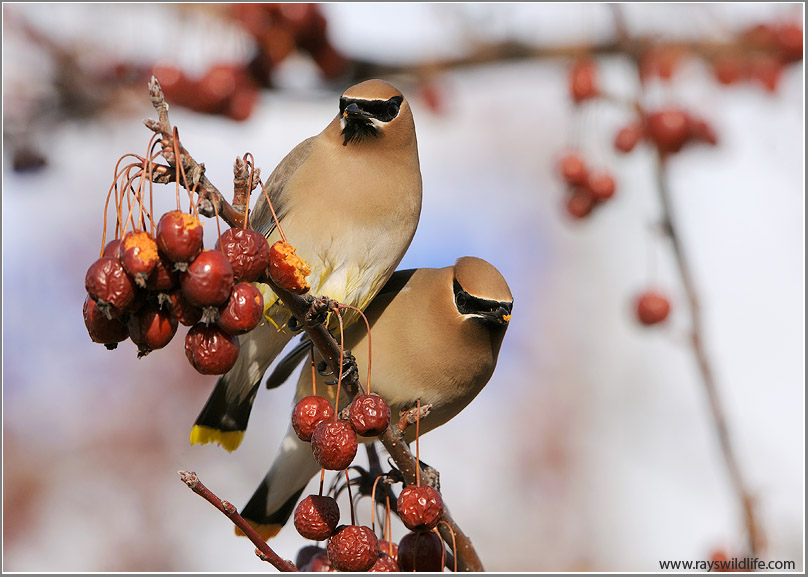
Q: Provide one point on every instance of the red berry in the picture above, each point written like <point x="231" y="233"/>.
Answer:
<point x="601" y="186"/>
<point x="369" y="415"/>
<point x="316" y="517"/>
<point x="766" y="70"/>
<point x="109" y="286"/>
<point x="385" y="564"/>
<point x="306" y="554"/>
<point x="319" y="563"/>
<point x="308" y="413"/>
<point x="580" y="203"/>
<point x="112" y="248"/>
<point x="179" y="237"/>
<point x="243" y="310"/>
<point x="789" y="40"/>
<point x="210" y="350"/>
<point x="163" y="278"/>
<point x="420" y="551"/>
<point x="151" y="328"/>
<point x="420" y="507"/>
<point x="353" y="548"/>
<point x="573" y="169"/>
<point x="583" y="81"/>
<point x="652" y="308"/>
<point x="334" y="445"/>
<point x="669" y="129"/>
<point x="186" y="313"/>
<point x="628" y="137"/>
<point x="701" y="131"/>
<point x="102" y="330"/>
<point x="388" y="547"/>
<point x="728" y="69"/>
<point x="247" y="250"/>
<point x="138" y="254"/>
<point x="208" y="280"/>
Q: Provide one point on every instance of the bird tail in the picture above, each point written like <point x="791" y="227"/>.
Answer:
<point x="275" y="499"/>
<point x="224" y="417"/>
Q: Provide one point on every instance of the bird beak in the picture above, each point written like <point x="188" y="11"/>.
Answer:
<point x="501" y="316"/>
<point x="353" y="112"/>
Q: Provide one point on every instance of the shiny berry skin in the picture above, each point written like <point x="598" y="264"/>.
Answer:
<point x="652" y="308"/>
<point x="102" y="330"/>
<point x="316" y="517"/>
<point x="110" y="286"/>
<point x="186" y="313"/>
<point x="243" y="310"/>
<point x="669" y="129"/>
<point x="573" y="169"/>
<point x="151" y="328"/>
<point x="369" y="415"/>
<point x="420" y="551"/>
<point x="112" y="248"/>
<point x="419" y="507"/>
<point x="208" y="280"/>
<point x="210" y="350"/>
<point x="163" y="278"/>
<point x="179" y="237"/>
<point x="247" y="250"/>
<point x="308" y="413"/>
<point x="353" y="548"/>
<point x="334" y="445"/>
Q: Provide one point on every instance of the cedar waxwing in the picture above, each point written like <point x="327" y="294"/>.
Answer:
<point x="349" y="201"/>
<point x="435" y="336"/>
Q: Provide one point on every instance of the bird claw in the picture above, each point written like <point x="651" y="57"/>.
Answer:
<point x="349" y="368"/>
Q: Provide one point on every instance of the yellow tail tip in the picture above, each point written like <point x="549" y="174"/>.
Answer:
<point x="266" y="532"/>
<point x="230" y="440"/>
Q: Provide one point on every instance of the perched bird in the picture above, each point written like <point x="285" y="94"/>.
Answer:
<point x="349" y="201"/>
<point x="435" y="336"/>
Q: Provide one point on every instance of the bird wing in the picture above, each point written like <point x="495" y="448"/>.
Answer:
<point x="261" y="216"/>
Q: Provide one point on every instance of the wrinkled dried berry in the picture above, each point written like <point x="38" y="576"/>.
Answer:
<point x="319" y="563"/>
<point x="102" y="330"/>
<point x="385" y="564"/>
<point x="316" y="517"/>
<point x="247" y="250"/>
<point x="179" y="237"/>
<point x="353" y="548"/>
<point x="151" y="328"/>
<point x="210" y="350"/>
<point x="308" y="413"/>
<point x="306" y="554"/>
<point x="109" y="286"/>
<point x="208" y="280"/>
<point x="420" y="551"/>
<point x="334" y="445"/>
<point x="163" y="278"/>
<point x="420" y="508"/>
<point x="369" y="415"/>
<point x="243" y="310"/>
<point x="138" y="254"/>
<point x="186" y="313"/>
<point x="388" y="547"/>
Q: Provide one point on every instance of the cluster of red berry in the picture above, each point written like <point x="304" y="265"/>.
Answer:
<point x="352" y="547"/>
<point x="145" y="285"/>
<point x="586" y="188"/>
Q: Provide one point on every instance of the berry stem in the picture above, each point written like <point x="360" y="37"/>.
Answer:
<point x="322" y="479"/>
<point x="373" y="500"/>
<point x="341" y="360"/>
<point x="251" y="165"/>
<point x="418" y="445"/>
<point x="350" y="497"/>
<point x="272" y="209"/>
<point x="313" y="373"/>
<point x="370" y="348"/>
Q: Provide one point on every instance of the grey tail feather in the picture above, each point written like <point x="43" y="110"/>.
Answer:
<point x="288" y="364"/>
<point x="223" y="415"/>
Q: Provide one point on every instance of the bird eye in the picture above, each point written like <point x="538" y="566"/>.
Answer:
<point x="392" y="110"/>
<point x="461" y="300"/>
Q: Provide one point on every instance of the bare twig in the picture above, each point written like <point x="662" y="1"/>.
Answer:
<point x="755" y="536"/>
<point x="264" y="552"/>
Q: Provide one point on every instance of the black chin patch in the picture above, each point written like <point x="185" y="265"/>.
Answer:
<point x="357" y="129"/>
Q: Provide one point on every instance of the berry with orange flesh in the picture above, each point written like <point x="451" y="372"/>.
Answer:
<point x="287" y="269"/>
<point x="138" y="254"/>
<point x="179" y="237"/>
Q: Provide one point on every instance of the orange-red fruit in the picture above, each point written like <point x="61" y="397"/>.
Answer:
<point x="110" y="286"/>
<point x="179" y="237"/>
<point x="210" y="350"/>
<point x="652" y="308"/>
<point x="247" y="250"/>
<point x="388" y="547"/>
<point x="790" y="40"/>
<point x="583" y="81"/>
<point x="669" y="129"/>
<point x="208" y="280"/>
<point x="319" y="563"/>
<point x="102" y="330"/>
<point x="138" y="254"/>
<point x="628" y="137"/>
<point x="334" y="445"/>
<point x="306" y="554"/>
<point x="385" y="564"/>
<point x="353" y="548"/>
<point x="419" y="507"/>
<point x="112" y="248"/>
<point x="601" y="186"/>
<point x="573" y="169"/>
<point x="151" y="328"/>
<point x="163" y="278"/>
<point x="420" y="551"/>
<point x="186" y="313"/>
<point x="287" y="268"/>
<point x="243" y="310"/>
<point x="308" y="413"/>
<point x="369" y="415"/>
<point x="766" y="70"/>
<point x="316" y="517"/>
<point x="728" y="69"/>
<point x="580" y="203"/>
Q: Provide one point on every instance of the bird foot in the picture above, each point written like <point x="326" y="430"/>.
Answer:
<point x="349" y="368"/>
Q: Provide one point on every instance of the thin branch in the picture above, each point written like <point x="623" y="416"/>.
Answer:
<point x="264" y="552"/>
